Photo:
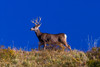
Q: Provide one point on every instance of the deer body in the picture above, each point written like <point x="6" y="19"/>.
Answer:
<point x="45" y="38"/>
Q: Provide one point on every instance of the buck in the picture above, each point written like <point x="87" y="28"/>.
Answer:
<point x="45" y="38"/>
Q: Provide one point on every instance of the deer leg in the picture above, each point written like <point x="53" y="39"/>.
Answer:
<point x="44" y="46"/>
<point x="67" y="46"/>
<point x="39" y="45"/>
<point x="61" y="45"/>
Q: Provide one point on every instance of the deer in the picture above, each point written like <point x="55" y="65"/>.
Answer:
<point x="45" y="38"/>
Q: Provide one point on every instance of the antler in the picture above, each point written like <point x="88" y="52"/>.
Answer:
<point x="34" y="22"/>
<point x="37" y="21"/>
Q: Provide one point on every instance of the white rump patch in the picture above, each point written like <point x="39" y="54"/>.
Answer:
<point x="65" y="36"/>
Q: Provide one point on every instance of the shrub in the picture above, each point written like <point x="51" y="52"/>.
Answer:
<point x="93" y="63"/>
<point x="7" y="54"/>
<point x="94" y="57"/>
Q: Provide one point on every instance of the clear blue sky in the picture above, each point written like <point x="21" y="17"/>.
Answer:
<point x="76" y="18"/>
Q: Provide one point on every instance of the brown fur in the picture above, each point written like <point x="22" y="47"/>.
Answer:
<point x="45" y="38"/>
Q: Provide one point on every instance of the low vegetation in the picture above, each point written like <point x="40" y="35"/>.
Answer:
<point x="49" y="58"/>
<point x="94" y="57"/>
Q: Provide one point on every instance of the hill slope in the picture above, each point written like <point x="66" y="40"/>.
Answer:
<point x="47" y="58"/>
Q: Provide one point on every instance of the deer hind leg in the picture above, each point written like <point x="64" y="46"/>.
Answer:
<point x="62" y="47"/>
<point x="67" y="45"/>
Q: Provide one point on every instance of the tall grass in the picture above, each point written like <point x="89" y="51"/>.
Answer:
<point x="47" y="58"/>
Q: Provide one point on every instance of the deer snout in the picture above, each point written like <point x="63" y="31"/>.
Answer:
<point x="32" y="29"/>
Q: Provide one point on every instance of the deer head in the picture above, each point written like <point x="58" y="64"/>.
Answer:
<point x="37" y="24"/>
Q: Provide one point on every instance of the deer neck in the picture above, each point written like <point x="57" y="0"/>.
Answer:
<point x="38" y="33"/>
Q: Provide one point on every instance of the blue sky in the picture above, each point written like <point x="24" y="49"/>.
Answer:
<point x="76" y="18"/>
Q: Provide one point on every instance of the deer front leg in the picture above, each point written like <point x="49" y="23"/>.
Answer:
<point x="39" y="45"/>
<point x="44" y="46"/>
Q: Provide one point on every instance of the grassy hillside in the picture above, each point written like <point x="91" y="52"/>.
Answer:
<point x="49" y="58"/>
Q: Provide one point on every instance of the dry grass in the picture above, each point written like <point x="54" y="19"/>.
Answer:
<point x="47" y="58"/>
